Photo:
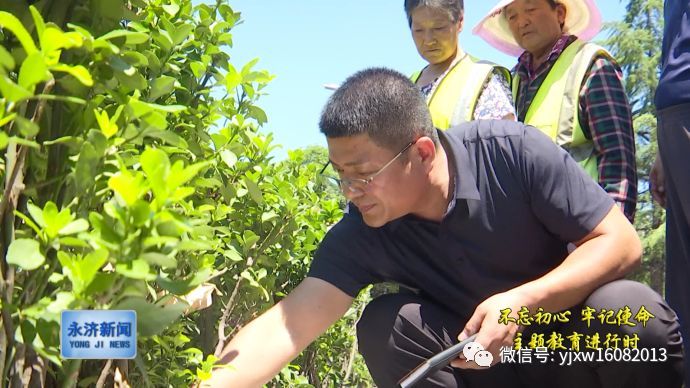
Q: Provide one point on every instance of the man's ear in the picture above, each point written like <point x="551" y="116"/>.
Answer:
<point x="425" y="151"/>
<point x="561" y="12"/>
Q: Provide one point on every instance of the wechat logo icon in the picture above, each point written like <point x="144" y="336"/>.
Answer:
<point x="474" y="351"/>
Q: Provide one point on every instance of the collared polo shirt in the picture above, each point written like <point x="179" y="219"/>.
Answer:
<point x="519" y="200"/>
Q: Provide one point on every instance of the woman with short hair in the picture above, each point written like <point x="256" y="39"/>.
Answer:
<point x="458" y="87"/>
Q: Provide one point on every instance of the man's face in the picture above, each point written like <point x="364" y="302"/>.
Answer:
<point x="434" y="34"/>
<point x="391" y="193"/>
<point x="534" y="24"/>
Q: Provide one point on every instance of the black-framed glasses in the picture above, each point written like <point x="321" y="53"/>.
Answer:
<point x="355" y="185"/>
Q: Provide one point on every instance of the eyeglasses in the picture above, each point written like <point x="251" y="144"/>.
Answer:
<point x="355" y="185"/>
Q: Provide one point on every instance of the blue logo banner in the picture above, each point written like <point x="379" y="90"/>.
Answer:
<point x="98" y="334"/>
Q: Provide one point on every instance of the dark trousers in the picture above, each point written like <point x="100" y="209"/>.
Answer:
<point x="399" y="331"/>
<point x="674" y="148"/>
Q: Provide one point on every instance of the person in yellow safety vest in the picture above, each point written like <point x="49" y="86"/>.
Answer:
<point x="568" y="87"/>
<point x="458" y="87"/>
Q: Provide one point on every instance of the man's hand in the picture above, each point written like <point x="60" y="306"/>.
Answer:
<point x="657" y="182"/>
<point x="493" y="335"/>
<point x="262" y="348"/>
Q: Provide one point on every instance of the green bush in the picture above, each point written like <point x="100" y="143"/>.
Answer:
<point x="134" y="172"/>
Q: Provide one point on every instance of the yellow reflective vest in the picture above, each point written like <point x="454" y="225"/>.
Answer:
<point x="454" y="99"/>
<point x="555" y="107"/>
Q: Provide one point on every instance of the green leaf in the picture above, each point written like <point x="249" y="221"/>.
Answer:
<point x="258" y="114"/>
<point x="8" y="118"/>
<point x="198" y="69"/>
<point x="128" y="186"/>
<point x="76" y="226"/>
<point x="247" y="68"/>
<point x="26" y="254"/>
<point x="135" y="58"/>
<point x="182" y="33"/>
<point x="79" y="72"/>
<point x="24" y="142"/>
<point x="87" y="167"/>
<point x="161" y="86"/>
<point x="194" y="245"/>
<point x="38" y="22"/>
<point x="82" y="272"/>
<point x="28" y="331"/>
<point x="183" y="286"/>
<point x="140" y="212"/>
<point x="136" y="269"/>
<point x="171" y="9"/>
<point x="232" y="78"/>
<point x="249" y="240"/>
<point x="140" y="108"/>
<point x="108" y="127"/>
<point x="232" y="254"/>
<point x="168" y="137"/>
<point x="26" y="127"/>
<point x="6" y="59"/>
<point x="81" y="31"/>
<point x="123" y="66"/>
<point x="53" y="40"/>
<point x="133" y="82"/>
<point x="163" y="38"/>
<point x="73" y="242"/>
<point x="181" y="193"/>
<point x="156" y="165"/>
<point x="55" y="220"/>
<point x="11" y="91"/>
<point x="102" y="282"/>
<point x="152" y="319"/>
<point x="36" y="213"/>
<point x="30" y="223"/>
<point x="254" y="190"/>
<point x="268" y="216"/>
<point x="11" y="23"/>
<point x="228" y="157"/>
<point x="131" y="36"/>
<point x="3" y="140"/>
<point x="180" y="175"/>
<point x="261" y="77"/>
<point x="159" y="259"/>
<point x="91" y="264"/>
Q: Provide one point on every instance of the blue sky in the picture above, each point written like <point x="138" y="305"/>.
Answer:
<point x="308" y="43"/>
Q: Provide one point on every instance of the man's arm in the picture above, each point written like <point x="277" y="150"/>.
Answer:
<point x="263" y="347"/>
<point x="607" y="253"/>
<point x="606" y="117"/>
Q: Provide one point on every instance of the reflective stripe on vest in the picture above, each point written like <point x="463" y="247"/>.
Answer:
<point x="454" y="99"/>
<point x="554" y="109"/>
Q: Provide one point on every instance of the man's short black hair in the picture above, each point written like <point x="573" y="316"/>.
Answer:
<point x="381" y="103"/>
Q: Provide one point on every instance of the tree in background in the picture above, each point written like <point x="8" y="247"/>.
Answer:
<point x="133" y="175"/>
<point x="636" y="43"/>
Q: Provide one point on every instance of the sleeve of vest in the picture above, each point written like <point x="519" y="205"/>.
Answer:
<point x="342" y="256"/>
<point x="563" y="197"/>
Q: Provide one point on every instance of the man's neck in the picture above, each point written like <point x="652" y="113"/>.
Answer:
<point x="434" y="205"/>
<point x="541" y="56"/>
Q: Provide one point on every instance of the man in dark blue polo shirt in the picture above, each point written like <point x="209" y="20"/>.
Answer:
<point x="475" y="224"/>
